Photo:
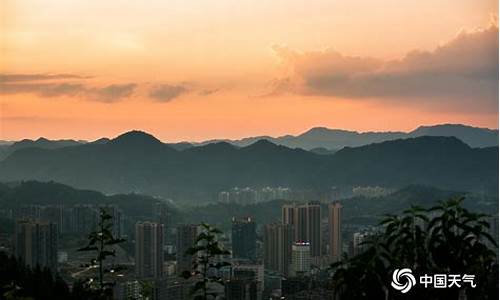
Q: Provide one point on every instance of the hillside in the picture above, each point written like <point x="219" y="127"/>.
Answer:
<point x="138" y="162"/>
<point x="356" y="210"/>
<point x="43" y="143"/>
<point x="50" y="193"/>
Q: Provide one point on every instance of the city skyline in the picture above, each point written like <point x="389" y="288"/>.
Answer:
<point x="72" y="70"/>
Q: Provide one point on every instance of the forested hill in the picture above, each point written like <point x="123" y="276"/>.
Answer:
<point x="138" y="162"/>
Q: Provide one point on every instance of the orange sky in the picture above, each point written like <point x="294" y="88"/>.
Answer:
<point x="196" y="70"/>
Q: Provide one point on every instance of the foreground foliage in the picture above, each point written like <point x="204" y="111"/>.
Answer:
<point x="445" y="239"/>
<point x="19" y="282"/>
<point x="207" y="253"/>
<point x="100" y="242"/>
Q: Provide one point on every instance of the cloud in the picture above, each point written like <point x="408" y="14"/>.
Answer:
<point x="208" y="92"/>
<point x="110" y="93"/>
<point x="462" y="73"/>
<point x="37" y="77"/>
<point x="43" y="89"/>
<point x="167" y="92"/>
<point x="72" y="85"/>
<point x="113" y="92"/>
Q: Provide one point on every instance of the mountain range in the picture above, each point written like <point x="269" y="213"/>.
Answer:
<point x="319" y="140"/>
<point x="7" y="148"/>
<point x="139" y="162"/>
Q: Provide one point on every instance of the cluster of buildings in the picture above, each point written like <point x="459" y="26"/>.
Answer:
<point x="248" y="195"/>
<point x="268" y="261"/>
<point x="293" y="246"/>
<point x="38" y="229"/>
<point x="263" y="266"/>
<point x="80" y="218"/>
<point x="371" y="191"/>
<point x="36" y="243"/>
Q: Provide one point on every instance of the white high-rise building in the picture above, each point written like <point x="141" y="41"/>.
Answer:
<point x="301" y="258"/>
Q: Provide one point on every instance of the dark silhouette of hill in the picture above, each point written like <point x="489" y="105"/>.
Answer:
<point x="6" y="149"/>
<point x="138" y="162"/>
<point x="52" y="193"/>
<point x="435" y="161"/>
<point x="44" y="143"/>
<point x="473" y="136"/>
<point x="320" y="140"/>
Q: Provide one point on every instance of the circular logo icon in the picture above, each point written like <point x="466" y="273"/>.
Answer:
<point x="403" y="280"/>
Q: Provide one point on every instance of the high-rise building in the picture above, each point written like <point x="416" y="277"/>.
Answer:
<point x="244" y="238"/>
<point x="335" y="230"/>
<point x="306" y="220"/>
<point x="85" y="218"/>
<point x="36" y="243"/>
<point x="149" y="249"/>
<point x="57" y="214"/>
<point x="314" y="228"/>
<point x="53" y="214"/>
<point x="278" y="240"/>
<point x="186" y="238"/>
<point x="288" y="215"/>
<point x="161" y="214"/>
<point x="301" y="258"/>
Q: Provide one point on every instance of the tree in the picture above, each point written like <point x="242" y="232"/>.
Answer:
<point x="206" y="266"/>
<point x="20" y="282"/>
<point x="445" y="239"/>
<point x="101" y="241"/>
<point x="12" y="293"/>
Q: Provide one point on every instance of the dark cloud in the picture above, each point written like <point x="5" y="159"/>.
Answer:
<point x="113" y="92"/>
<point x="462" y="73"/>
<point x="167" y="92"/>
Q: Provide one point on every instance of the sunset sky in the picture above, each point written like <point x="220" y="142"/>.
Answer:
<point x="199" y="69"/>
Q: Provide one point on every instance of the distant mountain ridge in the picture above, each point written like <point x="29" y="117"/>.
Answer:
<point x="335" y="139"/>
<point x="138" y="162"/>
<point x="8" y="148"/>
<point x="320" y="140"/>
